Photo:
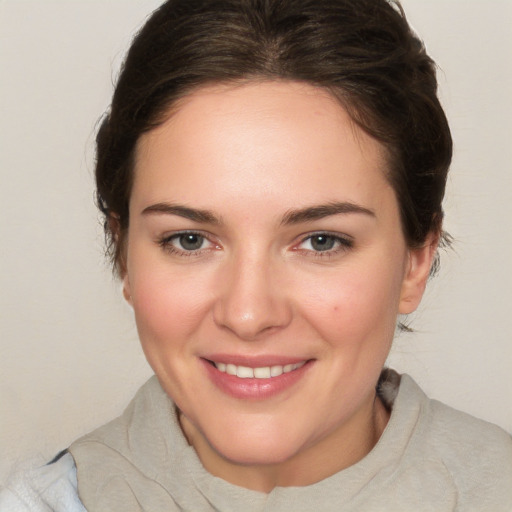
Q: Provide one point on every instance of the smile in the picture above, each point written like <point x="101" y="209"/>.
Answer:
<point x="263" y="372"/>
<point x="258" y="379"/>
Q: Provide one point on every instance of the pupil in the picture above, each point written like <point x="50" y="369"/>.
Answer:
<point x="322" y="242"/>
<point x="191" y="242"/>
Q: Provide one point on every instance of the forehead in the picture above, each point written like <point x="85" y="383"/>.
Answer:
<point x="284" y="140"/>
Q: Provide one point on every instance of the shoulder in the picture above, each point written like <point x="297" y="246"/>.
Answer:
<point x="462" y="431"/>
<point x="52" y="486"/>
<point x="469" y="445"/>
<point x="476" y="455"/>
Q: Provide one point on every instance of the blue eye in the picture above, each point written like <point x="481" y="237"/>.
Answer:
<point x="325" y="243"/>
<point x="190" y="241"/>
<point x="185" y="243"/>
<point x="322" y="242"/>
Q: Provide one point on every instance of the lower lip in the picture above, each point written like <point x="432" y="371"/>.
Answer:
<point x="255" y="389"/>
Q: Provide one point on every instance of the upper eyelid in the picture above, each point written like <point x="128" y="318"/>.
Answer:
<point x="339" y="236"/>
<point x="175" y="234"/>
<point x="167" y="239"/>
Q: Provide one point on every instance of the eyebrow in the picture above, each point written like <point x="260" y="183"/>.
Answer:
<point x="324" y="210"/>
<point x="193" y="214"/>
<point x="310" y="213"/>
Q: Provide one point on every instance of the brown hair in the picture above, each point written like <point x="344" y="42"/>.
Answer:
<point x="362" y="51"/>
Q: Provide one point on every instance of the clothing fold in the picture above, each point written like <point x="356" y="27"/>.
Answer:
<point x="429" y="457"/>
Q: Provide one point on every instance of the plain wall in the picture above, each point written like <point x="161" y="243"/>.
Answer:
<point x="69" y="354"/>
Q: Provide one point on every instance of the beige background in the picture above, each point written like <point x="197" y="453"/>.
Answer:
<point x="69" y="355"/>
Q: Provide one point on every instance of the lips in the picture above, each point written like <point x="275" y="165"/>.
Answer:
<point x="255" y="378"/>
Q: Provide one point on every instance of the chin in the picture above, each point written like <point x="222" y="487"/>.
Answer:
<point x="258" y="448"/>
<point x="256" y="455"/>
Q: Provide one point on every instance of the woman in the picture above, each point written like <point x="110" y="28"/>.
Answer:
<point x="271" y="175"/>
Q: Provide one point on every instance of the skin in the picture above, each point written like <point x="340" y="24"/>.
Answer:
<point x="252" y="156"/>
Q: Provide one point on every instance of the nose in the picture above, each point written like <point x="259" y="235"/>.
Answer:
<point x="251" y="299"/>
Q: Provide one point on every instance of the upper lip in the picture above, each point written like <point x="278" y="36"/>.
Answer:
<point x="259" y="361"/>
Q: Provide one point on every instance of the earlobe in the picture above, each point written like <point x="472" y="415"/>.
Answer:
<point x="419" y="263"/>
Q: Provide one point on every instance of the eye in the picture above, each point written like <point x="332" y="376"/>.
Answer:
<point x="186" y="243"/>
<point x="325" y="243"/>
<point x="189" y="241"/>
<point x="321" y="242"/>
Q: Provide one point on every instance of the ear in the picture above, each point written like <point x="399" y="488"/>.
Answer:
<point x="127" y="294"/>
<point x="119" y="242"/>
<point x="120" y="255"/>
<point x="417" y="271"/>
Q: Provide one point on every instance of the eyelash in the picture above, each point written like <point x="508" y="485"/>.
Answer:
<point x="342" y="244"/>
<point x="166" y="243"/>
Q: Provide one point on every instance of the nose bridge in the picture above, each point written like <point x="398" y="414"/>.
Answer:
<point x="251" y="300"/>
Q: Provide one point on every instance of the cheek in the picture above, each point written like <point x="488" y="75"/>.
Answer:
<point x="168" y="305"/>
<point x="355" y="307"/>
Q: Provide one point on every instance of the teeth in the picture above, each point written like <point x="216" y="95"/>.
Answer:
<point x="244" y="372"/>
<point x="262" y="373"/>
<point x="265" y="372"/>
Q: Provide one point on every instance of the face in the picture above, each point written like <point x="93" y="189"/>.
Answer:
<point x="266" y="266"/>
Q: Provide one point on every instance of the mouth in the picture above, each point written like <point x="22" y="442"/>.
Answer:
<point x="258" y="378"/>
<point x="261" y="372"/>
